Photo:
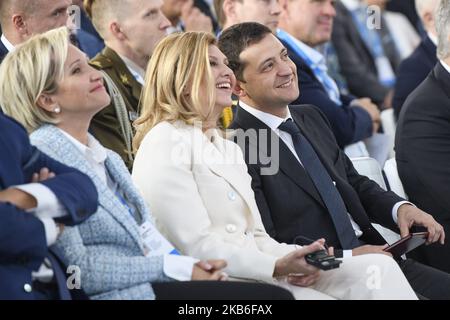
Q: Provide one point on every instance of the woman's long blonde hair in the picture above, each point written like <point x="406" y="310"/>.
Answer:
<point x="177" y="76"/>
<point x="35" y="67"/>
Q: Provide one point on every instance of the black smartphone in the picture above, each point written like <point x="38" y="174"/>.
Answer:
<point x="322" y="260"/>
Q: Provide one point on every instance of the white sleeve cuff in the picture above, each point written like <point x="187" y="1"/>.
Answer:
<point x="51" y="231"/>
<point x="179" y="267"/>
<point x="48" y="206"/>
<point x="396" y="207"/>
<point x="347" y="253"/>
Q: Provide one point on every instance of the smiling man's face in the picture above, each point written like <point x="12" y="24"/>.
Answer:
<point x="270" y="76"/>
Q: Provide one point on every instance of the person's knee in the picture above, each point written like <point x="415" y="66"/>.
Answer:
<point x="380" y="261"/>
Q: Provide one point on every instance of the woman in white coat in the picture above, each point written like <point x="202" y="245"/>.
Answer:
<point x="200" y="191"/>
<point x="48" y="86"/>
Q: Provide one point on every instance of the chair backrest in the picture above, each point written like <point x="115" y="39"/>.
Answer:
<point x="370" y="168"/>
<point x="390" y="169"/>
<point x="389" y="127"/>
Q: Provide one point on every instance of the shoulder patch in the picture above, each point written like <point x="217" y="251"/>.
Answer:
<point x="124" y="79"/>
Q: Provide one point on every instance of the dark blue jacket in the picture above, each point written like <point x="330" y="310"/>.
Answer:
<point x="23" y="244"/>
<point x="87" y="43"/>
<point x="412" y="71"/>
<point x="349" y="124"/>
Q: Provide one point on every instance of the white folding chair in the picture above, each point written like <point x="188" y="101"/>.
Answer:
<point x="389" y="127"/>
<point x="370" y="168"/>
<point x="390" y="169"/>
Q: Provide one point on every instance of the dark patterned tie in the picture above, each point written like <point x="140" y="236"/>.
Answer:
<point x="324" y="185"/>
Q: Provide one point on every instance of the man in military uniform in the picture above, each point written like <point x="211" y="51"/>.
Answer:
<point x="131" y="30"/>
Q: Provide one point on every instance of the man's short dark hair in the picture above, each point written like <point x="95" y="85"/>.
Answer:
<point x="236" y="39"/>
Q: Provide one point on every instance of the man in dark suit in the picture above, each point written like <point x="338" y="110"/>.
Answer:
<point x="304" y="184"/>
<point x="22" y="19"/>
<point x="414" y="69"/>
<point x="29" y="213"/>
<point x="356" y="58"/>
<point x="304" y="26"/>
<point x="422" y="143"/>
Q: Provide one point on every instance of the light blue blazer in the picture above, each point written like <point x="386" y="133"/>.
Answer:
<point x="107" y="247"/>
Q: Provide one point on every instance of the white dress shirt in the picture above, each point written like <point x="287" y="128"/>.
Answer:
<point x="433" y="38"/>
<point x="175" y="266"/>
<point x="273" y="122"/>
<point x="137" y="72"/>
<point x="446" y="66"/>
<point x="8" y="45"/>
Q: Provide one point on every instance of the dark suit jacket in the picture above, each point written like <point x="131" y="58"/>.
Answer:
<point x="23" y="245"/>
<point x="412" y="71"/>
<point x="356" y="61"/>
<point x="423" y="156"/>
<point x="89" y="44"/>
<point x="349" y="124"/>
<point x="104" y="125"/>
<point x="288" y="201"/>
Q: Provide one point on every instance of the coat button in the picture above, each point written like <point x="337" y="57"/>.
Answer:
<point x="232" y="195"/>
<point x="27" y="288"/>
<point x="231" y="228"/>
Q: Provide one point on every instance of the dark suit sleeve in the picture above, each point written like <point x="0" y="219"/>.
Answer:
<point x="74" y="190"/>
<point x="361" y="80"/>
<point x="377" y="202"/>
<point x="21" y="235"/>
<point x="408" y="78"/>
<point x="349" y="124"/>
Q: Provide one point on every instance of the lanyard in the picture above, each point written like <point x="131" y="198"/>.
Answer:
<point x="330" y="85"/>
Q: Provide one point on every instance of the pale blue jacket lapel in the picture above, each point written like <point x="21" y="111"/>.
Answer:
<point x="51" y="141"/>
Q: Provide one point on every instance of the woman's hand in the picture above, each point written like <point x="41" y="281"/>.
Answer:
<point x="295" y="267"/>
<point x="210" y="270"/>
<point x="43" y="175"/>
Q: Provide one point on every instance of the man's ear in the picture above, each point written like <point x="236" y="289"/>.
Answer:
<point x="48" y="103"/>
<point x="116" y="31"/>
<point x="19" y="24"/>
<point x="427" y="17"/>
<point x="229" y="9"/>
<point x="239" y="89"/>
<point x="283" y="4"/>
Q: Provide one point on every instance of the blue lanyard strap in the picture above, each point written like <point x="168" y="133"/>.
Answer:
<point x="329" y="84"/>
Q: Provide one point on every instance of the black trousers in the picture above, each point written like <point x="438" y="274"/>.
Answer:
<point x="427" y="281"/>
<point x="219" y="290"/>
